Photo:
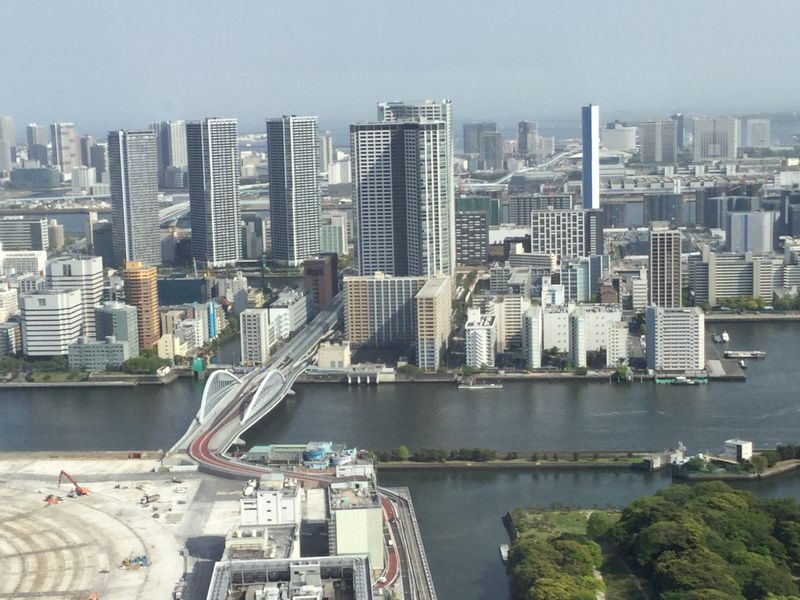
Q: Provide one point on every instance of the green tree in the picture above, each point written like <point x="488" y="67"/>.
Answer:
<point x="403" y="453"/>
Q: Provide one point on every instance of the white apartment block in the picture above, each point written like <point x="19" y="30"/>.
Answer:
<point x="257" y="336"/>
<point x="577" y="339"/>
<point x="598" y="319"/>
<point x="617" y="344"/>
<point x="639" y="291"/>
<point x="9" y="301"/>
<point x="21" y="262"/>
<point x="675" y="339"/>
<point x="532" y="336"/>
<point x="555" y="327"/>
<point x="434" y="315"/>
<point x="51" y="321"/>
<point x="84" y="274"/>
<point x="508" y="310"/>
<point x="480" y="333"/>
<point x="290" y="312"/>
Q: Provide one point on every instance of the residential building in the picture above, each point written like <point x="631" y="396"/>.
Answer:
<point x="715" y="138"/>
<point x="532" y="337"/>
<point x="234" y="290"/>
<point x="51" y="321"/>
<point x="617" y="137"/>
<point x="664" y="283"/>
<point x="472" y="237"/>
<point x="577" y="232"/>
<point x="133" y="172"/>
<point x="598" y="318"/>
<point x="24" y="233"/>
<point x="639" y="293"/>
<point x="55" y="235"/>
<point x="9" y="301"/>
<point x="257" y="336"/>
<point x="556" y="326"/>
<point x="293" y="157"/>
<point x="120" y="321"/>
<point x="95" y="355"/>
<point x="751" y="231"/>
<point x="473" y="133"/>
<point x="402" y="202"/>
<point x="675" y="339"/>
<point x="65" y="147"/>
<point x="679" y="125"/>
<point x="714" y="276"/>
<point x="213" y="171"/>
<point x="172" y="149"/>
<point x="552" y="293"/>
<point x="21" y="262"/>
<point x="10" y="339"/>
<point x="99" y="158"/>
<point x="86" y="143"/>
<point x="520" y="206"/>
<point x="527" y="138"/>
<point x="577" y="339"/>
<point x="617" y="344"/>
<point x="37" y="143"/>
<point x="434" y="315"/>
<point x="84" y="274"/>
<point x="326" y="153"/>
<point x="141" y="291"/>
<point x="658" y="142"/>
<point x="321" y="280"/>
<point x="481" y="339"/>
<point x="290" y="312"/>
<point x="590" y="189"/>
<point x="758" y="135"/>
<point x="380" y="310"/>
<point x="508" y="310"/>
<point x="487" y="204"/>
<point x="491" y="151"/>
<point x="333" y="233"/>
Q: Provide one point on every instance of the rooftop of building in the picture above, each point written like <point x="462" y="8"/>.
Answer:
<point x="434" y="287"/>
<point x="260" y="541"/>
<point x="483" y="321"/>
<point x="355" y="493"/>
<point x="598" y="308"/>
<point x="287" y="297"/>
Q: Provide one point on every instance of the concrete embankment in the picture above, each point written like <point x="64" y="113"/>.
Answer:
<point x="507" y="465"/>
<point x="752" y="317"/>
<point x="780" y="468"/>
<point x="96" y="382"/>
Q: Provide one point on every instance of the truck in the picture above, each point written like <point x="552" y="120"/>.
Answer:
<point x="149" y="499"/>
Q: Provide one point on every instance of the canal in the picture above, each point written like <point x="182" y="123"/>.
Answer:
<point x="460" y="511"/>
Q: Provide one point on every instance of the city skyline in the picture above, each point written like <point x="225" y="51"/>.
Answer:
<point x="467" y="75"/>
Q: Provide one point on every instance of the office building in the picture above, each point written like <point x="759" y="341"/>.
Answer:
<point x="86" y="143"/>
<point x="577" y="232"/>
<point x="527" y="138"/>
<point x="99" y="159"/>
<point x="356" y="521"/>
<point x="10" y="339"/>
<point x="675" y="339"/>
<point x="617" y="137"/>
<point x="24" y="233"/>
<point x="532" y="337"/>
<point x="481" y="339"/>
<point x="7" y="144"/>
<point x="715" y="138"/>
<point x="84" y="274"/>
<point x="639" y="294"/>
<point x="9" y="301"/>
<point x="321" y="280"/>
<point x="520" y="206"/>
<point x="20" y="262"/>
<point x="171" y="149"/>
<point x="664" y="271"/>
<point x="508" y="310"/>
<point x="7" y="130"/>
<point x="488" y="204"/>
<point x="86" y="354"/>
<point x="590" y="124"/>
<point x="679" y="128"/>
<point x="120" y="321"/>
<point x="290" y="312"/>
<point x="213" y="170"/>
<point x="758" y="134"/>
<point x="472" y="237"/>
<point x="141" y="291"/>
<point x="64" y="147"/>
<point x="333" y="233"/>
<point x="51" y="321"/>
<point x="491" y="151"/>
<point x="751" y="231"/>
<point x="257" y="336"/>
<point x="293" y="157"/>
<point x="134" y="197"/>
<point x="617" y="344"/>
<point x="658" y="142"/>
<point x="402" y="199"/>
<point x="326" y="152"/>
<point x="380" y="310"/>
<point x="434" y="315"/>
<point x="37" y="143"/>
<point x="273" y="501"/>
<point x="83" y="179"/>
<point x="715" y="276"/>
<point x="473" y="133"/>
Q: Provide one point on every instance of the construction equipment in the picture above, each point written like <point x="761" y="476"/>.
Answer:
<point x="52" y="499"/>
<point x="78" y="491"/>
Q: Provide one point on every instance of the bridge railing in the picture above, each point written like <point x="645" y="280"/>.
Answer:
<point x="217" y="387"/>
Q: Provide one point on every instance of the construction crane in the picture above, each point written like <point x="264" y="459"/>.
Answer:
<point x="79" y="490"/>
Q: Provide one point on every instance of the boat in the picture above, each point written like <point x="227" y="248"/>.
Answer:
<point x="480" y="386"/>
<point x="725" y="337"/>
<point x="681" y="380"/>
<point x="742" y="364"/>
<point x="504" y="553"/>
<point x="745" y="354"/>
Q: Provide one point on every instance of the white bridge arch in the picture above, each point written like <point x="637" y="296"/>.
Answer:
<point x="267" y="389"/>
<point x="216" y="388"/>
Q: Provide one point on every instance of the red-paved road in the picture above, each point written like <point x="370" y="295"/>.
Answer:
<point x="392" y="568"/>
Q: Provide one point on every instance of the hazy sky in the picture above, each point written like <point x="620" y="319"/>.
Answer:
<point x="111" y="64"/>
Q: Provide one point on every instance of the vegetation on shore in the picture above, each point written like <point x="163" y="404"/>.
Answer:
<point x="484" y="455"/>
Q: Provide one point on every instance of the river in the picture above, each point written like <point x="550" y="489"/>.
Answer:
<point x="460" y="511"/>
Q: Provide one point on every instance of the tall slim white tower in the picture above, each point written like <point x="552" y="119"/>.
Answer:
<point x="294" y="194"/>
<point x="65" y="147"/>
<point x="213" y="163"/>
<point x="590" y="119"/>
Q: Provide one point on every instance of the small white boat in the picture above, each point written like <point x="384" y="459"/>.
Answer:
<point x="725" y="337"/>
<point x="480" y="386"/>
<point x="743" y="364"/>
<point x="504" y="553"/>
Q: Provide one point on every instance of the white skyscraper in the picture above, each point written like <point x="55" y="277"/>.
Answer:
<point x="481" y="339"/>
<point x="65" y="147"/>
<point x="294" y="194"/>
<point x="51" y="321"/>
<point x="257" y="336"/>
<point x="716" y="138"/>
<point x="7" y="141"/>
<point x="590" y="120"/>
<point x="326" y="156"/>
<point x="429" y="111"/>
<point x="675" y="339"/>
<point x="532" y="337"/>
<point x="84" y="274"/>
<point x="133" y="175"/>
<point x="758" y="135"/>
<point x="213" y="164"/>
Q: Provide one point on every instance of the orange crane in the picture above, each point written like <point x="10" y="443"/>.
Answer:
<point x="79" y="490"/>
